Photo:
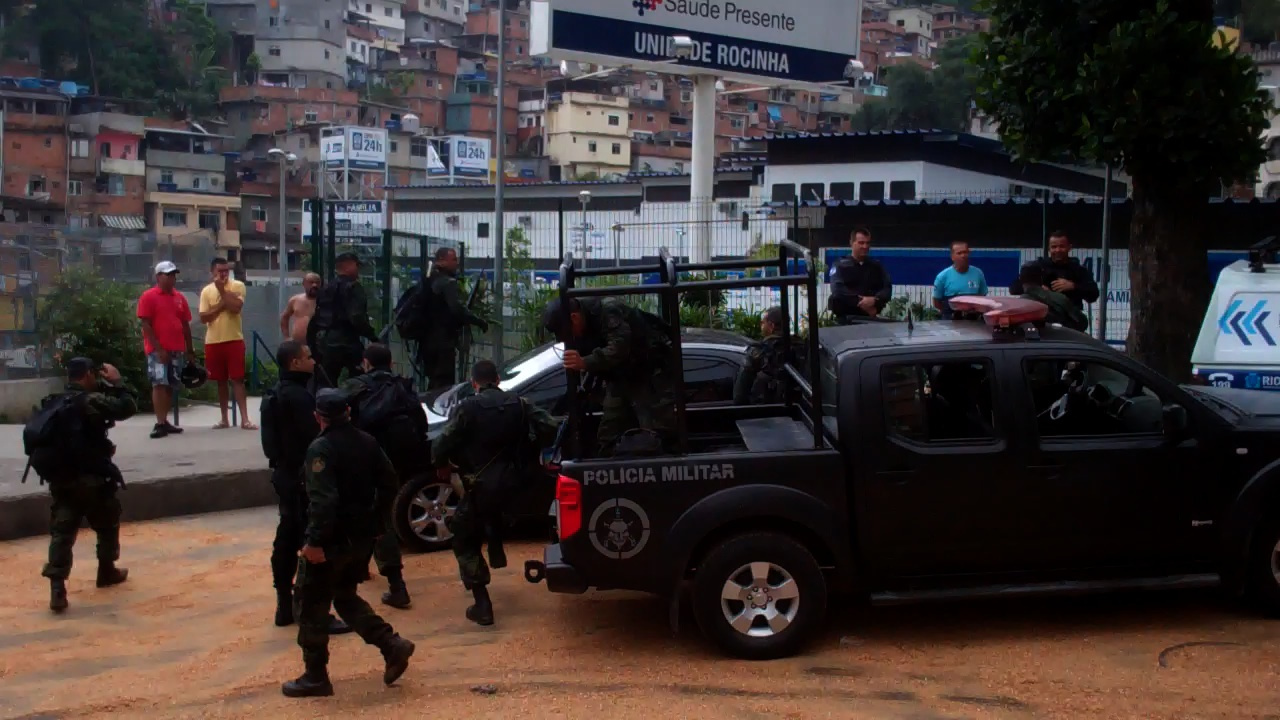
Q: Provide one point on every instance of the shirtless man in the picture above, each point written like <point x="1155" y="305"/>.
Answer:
<point x="300" y="309"/>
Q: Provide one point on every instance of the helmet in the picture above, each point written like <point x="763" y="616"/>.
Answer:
<point x="194" y="375"/>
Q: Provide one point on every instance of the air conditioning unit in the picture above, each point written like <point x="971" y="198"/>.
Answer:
<point x="259" y="226"/>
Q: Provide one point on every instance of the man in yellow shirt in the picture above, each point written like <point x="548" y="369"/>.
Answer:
<point x="220" y="304"/>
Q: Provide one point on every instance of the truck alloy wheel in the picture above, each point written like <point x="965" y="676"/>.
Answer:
<point x="759" y="596"/>
<point x="1264" y="567"/>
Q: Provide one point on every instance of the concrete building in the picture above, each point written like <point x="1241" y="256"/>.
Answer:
<point x="33" y="162"/>
<point x="386" y="18"/>
<point x="588" y="134"/>
<point x="107" y="185"/>
<point x="434" y="19"/>
<point x="187" y="204"/>
<point x="253" y="110"/>
<point x="298" y="45"/>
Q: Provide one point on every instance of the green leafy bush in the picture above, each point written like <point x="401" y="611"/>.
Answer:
<point x="85" y="315"/>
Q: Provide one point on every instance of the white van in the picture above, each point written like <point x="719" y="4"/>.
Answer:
<point x="1239" y="343"/>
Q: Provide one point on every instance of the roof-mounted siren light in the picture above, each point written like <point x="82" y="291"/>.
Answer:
<point x="1001" y="313"/>
<point x="1263" y="253"/>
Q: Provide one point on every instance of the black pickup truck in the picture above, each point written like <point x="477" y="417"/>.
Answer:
<point x="927" y="461"/>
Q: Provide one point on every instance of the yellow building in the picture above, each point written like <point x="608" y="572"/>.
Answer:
<point x="207" y="222"/>
<point x="588" y="134"/>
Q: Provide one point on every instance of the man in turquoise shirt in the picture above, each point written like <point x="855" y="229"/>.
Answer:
<point x="959" y="279"/>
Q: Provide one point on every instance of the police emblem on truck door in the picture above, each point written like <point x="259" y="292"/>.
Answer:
<point x="619" y="529"/>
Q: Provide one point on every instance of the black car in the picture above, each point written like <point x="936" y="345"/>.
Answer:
<point x="712" y="359"/>
<point x="933" y="461"/>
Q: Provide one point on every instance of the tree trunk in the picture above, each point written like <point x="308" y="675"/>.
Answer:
<point x="1168" y="275"/>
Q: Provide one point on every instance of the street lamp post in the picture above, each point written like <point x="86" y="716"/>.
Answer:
<point x="285" y="159"/>
<point x="584" y="197"/>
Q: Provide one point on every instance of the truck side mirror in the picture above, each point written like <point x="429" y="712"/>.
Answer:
<point x="1174" y="422"/>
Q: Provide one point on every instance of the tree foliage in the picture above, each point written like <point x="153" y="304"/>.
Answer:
<point x="84" y="315"/>
<point x="1142" y="86"/>
<point x="1133" y="83"/>
<point x="119" y="49"/>
<point x="920" y="98"/>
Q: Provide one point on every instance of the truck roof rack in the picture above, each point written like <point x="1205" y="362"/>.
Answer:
<point x="668" y="290"/>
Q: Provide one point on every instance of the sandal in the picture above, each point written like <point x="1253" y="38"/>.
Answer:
<point x="246" y="425"/>
<point x="220" y="425"/>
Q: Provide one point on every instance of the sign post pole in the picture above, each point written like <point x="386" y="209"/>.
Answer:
<point x="702" y="180"/>
<point x="500" y="154"/>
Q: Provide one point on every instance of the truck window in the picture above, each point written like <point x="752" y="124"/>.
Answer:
<point x="939" y="402"/>
<point x="708" y="379"/>
<point x="1083" y="398"/>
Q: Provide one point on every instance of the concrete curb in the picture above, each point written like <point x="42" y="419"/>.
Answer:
<point x="28" y="515"/>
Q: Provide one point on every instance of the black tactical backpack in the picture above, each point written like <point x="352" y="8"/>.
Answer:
<point x="413" y="311"/>
<point x="53" y="439"/>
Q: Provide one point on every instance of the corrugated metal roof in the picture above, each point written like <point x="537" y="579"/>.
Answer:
<point x="869" y="133"/>
<point x="995" y="201"/>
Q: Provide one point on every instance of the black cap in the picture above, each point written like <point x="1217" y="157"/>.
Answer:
<point x="332" y="403"/>
<point x="78" y="367"/>
<point x="347" y="256"/>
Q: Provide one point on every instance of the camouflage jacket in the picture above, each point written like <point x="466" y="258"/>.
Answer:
<point x="760" y="381"/>
<point x="625" y="340"/>
<point x="463" y="428"/>
<point x="107" y="405"/>
<point x="1061" y="310"/>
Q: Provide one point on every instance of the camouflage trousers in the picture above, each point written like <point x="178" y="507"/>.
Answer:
<point x="647" y="403"/>
<point x="88" y="498"/>
<point x="478" y="516"/>
<point x="333" y="583"/>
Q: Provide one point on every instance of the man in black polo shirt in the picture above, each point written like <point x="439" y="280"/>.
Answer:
<point x="860" y="286"/>
<point x="1063" y="273"/>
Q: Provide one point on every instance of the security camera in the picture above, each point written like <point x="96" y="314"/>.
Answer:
<point x="682" y="46"/>
<point x="853" y="69"/>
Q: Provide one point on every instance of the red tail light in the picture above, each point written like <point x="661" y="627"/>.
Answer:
<point x="569" y="501"/>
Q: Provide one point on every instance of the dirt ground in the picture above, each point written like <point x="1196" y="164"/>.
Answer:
<point x="190" y="636"/>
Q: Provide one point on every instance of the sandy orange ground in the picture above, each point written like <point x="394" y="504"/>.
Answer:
<point x="189" y="636"/>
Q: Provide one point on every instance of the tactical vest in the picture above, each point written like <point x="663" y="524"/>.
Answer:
<point x="768" y="385"/>
<point x="504" y="431"/>
<point x="350" y="453"/>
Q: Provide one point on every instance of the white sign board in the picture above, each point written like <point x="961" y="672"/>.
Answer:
<point x="360" y="148"/>
<point x="357" y="222"/>
<point x="803" y="41"/>
<point x="470" y="156"/>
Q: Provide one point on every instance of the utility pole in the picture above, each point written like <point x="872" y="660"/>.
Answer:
<point x="500" y="160"/>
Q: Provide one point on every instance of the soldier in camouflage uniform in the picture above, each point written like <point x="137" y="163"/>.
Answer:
<point x="86" y="489"/>
<point x="438" y="351"/>
<point x="1062" y="310"/>
<point x="761" y="381"/>
<point x="492" y="437"/>
<point x="347" y="511"/>
<point x="629" y="350"/>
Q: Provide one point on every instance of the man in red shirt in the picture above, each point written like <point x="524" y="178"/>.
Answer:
<point x="166" y="338"/>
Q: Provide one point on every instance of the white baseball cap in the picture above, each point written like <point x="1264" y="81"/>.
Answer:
<point x="166" y="267"/>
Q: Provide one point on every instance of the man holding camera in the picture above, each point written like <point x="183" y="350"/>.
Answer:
<point x="67" y="443"/>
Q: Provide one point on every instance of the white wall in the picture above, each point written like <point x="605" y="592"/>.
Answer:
<point x="655" y="226"/>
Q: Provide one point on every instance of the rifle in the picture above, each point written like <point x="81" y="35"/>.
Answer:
<point x="464" y="347"/>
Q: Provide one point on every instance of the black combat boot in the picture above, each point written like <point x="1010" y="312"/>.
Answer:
<point x="497" y="555"/>
<point x="57" y="595"/>
<point x="398" y="595"/>
<point x="313" y="683"/>
<point x="482" y="612"/>
<point x="396" y="652"/>
<point x="284" y="608"/>
<point x="337" y="627"/>
<point x="109" y="574"/>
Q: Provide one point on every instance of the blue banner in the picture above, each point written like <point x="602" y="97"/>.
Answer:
<point x="577" y="32"/>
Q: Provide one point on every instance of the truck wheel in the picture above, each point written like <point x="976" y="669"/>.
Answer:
<point x="421" y="510"/>
<point x="1264" y="567"/>
<point x="759" y="596"/>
